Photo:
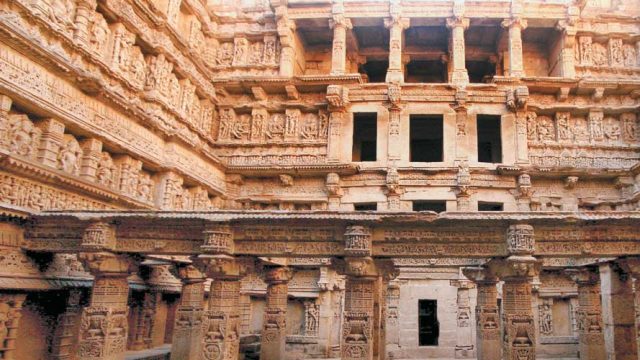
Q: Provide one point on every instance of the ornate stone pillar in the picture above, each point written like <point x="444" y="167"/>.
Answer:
<point x="396" y="26"/>
<point x="338" y="100"/>
<point x="394" y="94"/>
<point x="145" y="321"/>
<point x="393" y="318"/>
<point x="458" y="24"/>
<point x="567" y="53"/>
<point x="11" y="311"/>
<point x="487" y="314"/>
<point x="589" y="314"/>
<point x="517" y="271"/>
<point x="91" y="151"/>
<point x="84" y="11"/>
<point x="187" y="331"/>
<point x="462" y="140"/>
<point x="274" y="328"/>
<point x="340" y="25"/>
<point x="515" y="26"/>
<point x="64" y="342"/>
<point x="464" y="341"/>
<point x="50" y="141"/>
<point x="104" y="324"/>
<point x="618" y="309"/>
<point x="221" y="323"/>
<point x="285" y="28"/>
<point x="358" y="316"/>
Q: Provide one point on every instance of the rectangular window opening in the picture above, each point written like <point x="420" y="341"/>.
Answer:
<point x="480" y="71"/>
<point x="430" y="205"/>
<point x="425" y="138"/>
<point x="489" y="139"/>
<point x="365" y="207"/>
<point x="365" y="135"/>
<point x="426" y="71"/>
<point x="490" y="206"/>
<point x="428" y="325"/>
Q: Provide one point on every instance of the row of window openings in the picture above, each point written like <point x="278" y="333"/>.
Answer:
<point x="432" y="205"/>
<point x="425" y="138"/>
<point x="427" y="71"/>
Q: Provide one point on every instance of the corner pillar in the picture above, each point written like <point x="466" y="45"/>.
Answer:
<point x="274" y="329"/>
<point x="590" y="329"/>
<point x="487" y="314"/>
<point x="187" y="330"/>
<point x="459" y="75"/>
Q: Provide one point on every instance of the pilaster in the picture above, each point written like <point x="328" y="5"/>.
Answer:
<point x="590" y="327"/>
<point x="464" y="333"/>
<point x="567" y="52"/>
<point x="487" y="314"/>
<point x="394" y="94"/>
<point x="50" y="141"/>
<point x="84" y="11"/>
<point x="91" y="152"/>
<point x="338" y="100"/>
<point x="274" y="328"/>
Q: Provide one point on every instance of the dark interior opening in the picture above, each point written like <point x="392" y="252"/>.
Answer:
<point x="489" y="139"/>
<point x="480" y="71"/>
<point x="425" y="138"/>
<point x="365" y="134"/>
<point x="490" y="206"/>
<point x="365" y="207"/>
<point x="426" y="71"/>
<point x="376" y="70"/>
<point x="430" y="205"/>
<point x="428" y="325"/>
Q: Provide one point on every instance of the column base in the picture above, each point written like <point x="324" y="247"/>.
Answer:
<point x="460" y="78"/>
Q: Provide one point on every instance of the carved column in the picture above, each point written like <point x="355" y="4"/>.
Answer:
<point x="487" y="314"/>
<point x="567" y="53"/>
<point x="84" y="11"/>
<point x="340" y="25"/>
<point x="104" y="324"/>
<point x="11" y="311"/>
<point x="589" y="314"/>
<point x="187" y="331"/>
<point x="358" y="316"/>
<point x="464" y="341"/>
<point x="459" y="75"/>
<point x="221" y="323"/>
<point x="50" y="141"/>
<point x="394" y="93"/>
<point x="145" y="321"/>
<point x="515" y="26"/>
<point x="462" y="140"/>
<point x="393" y="318"/>
<point x="618" y="309"/>
<point x="396" y="26"/>
<point x="338" y="100"/>
<point x="274" y="328"/>
<point x="64" y="342"/>
<point x="517" y="271"/>
<point x="285" y="28"/>
<point x="91" y="151"/>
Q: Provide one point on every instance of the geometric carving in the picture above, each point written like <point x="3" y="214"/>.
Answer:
<point x="218" y="239"/>
<point x="520" y="239"/>
<point x="357" y="241"/>
<point x="99" y="235"/>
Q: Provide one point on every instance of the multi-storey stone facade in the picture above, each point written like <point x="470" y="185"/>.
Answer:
<point x="403" y="179"/>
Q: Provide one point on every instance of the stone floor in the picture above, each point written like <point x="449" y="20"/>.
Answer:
<point x="158" y="353"/>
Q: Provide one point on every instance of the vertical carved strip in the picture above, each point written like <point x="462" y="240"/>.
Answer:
<point x="221" y="338"/>
<point x="274" y="329"/>
<point x="357" y="326"/>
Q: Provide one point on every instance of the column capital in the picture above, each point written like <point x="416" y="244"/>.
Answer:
<point x="515" y="267"/>
<point x="340" y="20"/>
<point x="106" y="264"/>
<point x="456" y="22"/>
<point x="394" y="94"/>
<point x="189" y="274"/>
<point x="515" y="22"/>
<point x="278" y="275"/>
<point x="337" y="98"/>
<point x="583" y="275"/>
<point x="218" y="239"/>
<point x="403" y="23"/>
<point x="480" y="275"/>
<point x="221" y="267"/>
